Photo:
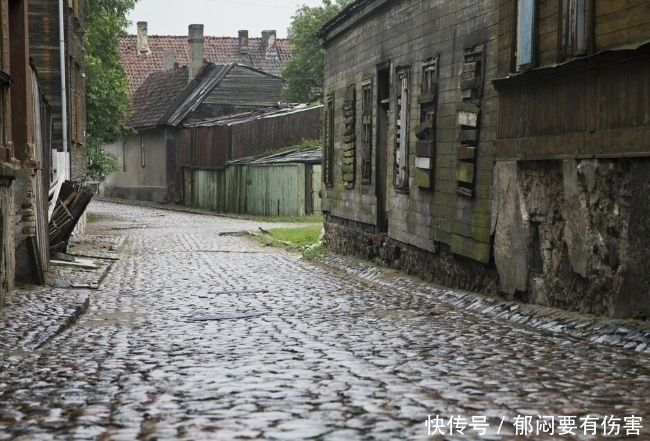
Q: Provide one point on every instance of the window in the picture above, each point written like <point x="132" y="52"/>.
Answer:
<point x="349" y="137"/>
<point x="328" y="140"/>
<point x="576" y="28"/>
<point x="366" y="129"/>
<point x="142" y="150"/>
<point x="525" y="33"/>
<point x="426" y="130"/>
<point x="401" y="129"/>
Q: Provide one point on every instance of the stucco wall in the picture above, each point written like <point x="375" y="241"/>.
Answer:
<point x="135" y="181"/>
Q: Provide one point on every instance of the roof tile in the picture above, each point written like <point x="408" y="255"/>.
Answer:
<point x="218" y="50"/>
<point x="156" y="95"/>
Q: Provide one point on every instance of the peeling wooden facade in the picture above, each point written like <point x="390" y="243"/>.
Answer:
<point x="409" y="122"/>
<point x="573" y="154"/>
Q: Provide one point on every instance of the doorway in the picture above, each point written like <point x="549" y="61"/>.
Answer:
<point x="383" y="106"/>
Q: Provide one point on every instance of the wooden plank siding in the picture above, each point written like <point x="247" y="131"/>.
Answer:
<point x="44" y="51"/>
<point x="246" y="87"/>
<point x="596" y="105"/>
<point x="407" y="34"/>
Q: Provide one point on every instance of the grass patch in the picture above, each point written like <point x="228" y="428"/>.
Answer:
<point x="291" y="238"/>
<point x="93" y="217"/>
<point x="314" y="253"/>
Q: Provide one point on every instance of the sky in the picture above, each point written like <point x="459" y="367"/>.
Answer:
<point x="220" y="17"/>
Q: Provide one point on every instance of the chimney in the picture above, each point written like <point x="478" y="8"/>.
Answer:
<point x="269" y="45"/>
<point x="196" y="41"/>
<point x="243" y="42"/>
<point x="142" y="44"/>
<point x="170" y="59"/>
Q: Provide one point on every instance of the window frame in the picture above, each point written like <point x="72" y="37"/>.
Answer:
<point x="366" y="130"/>
<point x="570" y="43"/>
<point x="401" y="137"/>
<point x="328" y="141"/>
<point x="528" y="35"/>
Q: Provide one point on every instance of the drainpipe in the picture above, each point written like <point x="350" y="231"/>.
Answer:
<point x="64" y="104"/>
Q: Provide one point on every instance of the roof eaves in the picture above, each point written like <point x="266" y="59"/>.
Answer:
<point x="343" y="19"/>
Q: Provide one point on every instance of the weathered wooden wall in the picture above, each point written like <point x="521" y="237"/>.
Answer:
<point x="212" y="146"/>
<point x="246" y="87"/>
<point x="44" y="50"/>
<point x="269" y="190"/>
<point x="259" y="136"/>
<point x="593" y="105"/>
<point x="407" y="34"/>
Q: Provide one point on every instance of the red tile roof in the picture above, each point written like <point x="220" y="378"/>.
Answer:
<point x="218" y="50"/>
<point x="155" y="96"/>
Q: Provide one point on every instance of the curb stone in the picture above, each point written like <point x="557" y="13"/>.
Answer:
<point x="629" y="334"/>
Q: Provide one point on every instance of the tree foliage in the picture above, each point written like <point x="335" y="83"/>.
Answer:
<point x="108" y="100"/>
<point x="304" y="71"/>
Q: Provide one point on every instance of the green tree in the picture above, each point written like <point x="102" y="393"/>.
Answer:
<point x="304" y="71"/>
<point x="108" y="100"/>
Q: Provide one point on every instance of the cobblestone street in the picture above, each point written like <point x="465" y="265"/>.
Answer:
<point x="197" y="335"/>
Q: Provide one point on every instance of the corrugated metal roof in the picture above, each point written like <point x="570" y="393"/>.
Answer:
<point x="313" y="156"/>
<point x="250" y="116"/>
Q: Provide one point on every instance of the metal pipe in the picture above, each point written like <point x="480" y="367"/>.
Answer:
<point x="64" y="100"/>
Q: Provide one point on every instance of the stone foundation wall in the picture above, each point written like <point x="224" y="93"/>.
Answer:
<point x="574" y="234"/>
<point x="442" y="268"/>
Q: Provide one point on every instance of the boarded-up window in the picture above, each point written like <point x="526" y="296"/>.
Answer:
<point x="576" y="28"/>
<point x="366" y="128"/>
<point x="426" y="129"/>
<point x="349" y="153"/>
<point x="401" y="129"/>
<point x="328" y="142"/>
<point x="76" y="121"/>
<point x="472" y="83"/>
<point x="525" y="33"/>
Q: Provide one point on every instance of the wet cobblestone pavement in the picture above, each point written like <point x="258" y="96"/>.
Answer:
<point x="196" y="335"/>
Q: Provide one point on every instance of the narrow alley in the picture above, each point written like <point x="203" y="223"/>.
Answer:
<point x="197" y="335"/>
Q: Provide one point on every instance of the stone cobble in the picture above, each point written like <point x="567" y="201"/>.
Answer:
<point x="197" y="335"/>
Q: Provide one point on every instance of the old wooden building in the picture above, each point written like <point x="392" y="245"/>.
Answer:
<point x="573" y="140"/>
<point x="45" y="51"/>
<point x="150" y="160"/>
<point x="25" y="126"/>
<point x="410" y="120"/>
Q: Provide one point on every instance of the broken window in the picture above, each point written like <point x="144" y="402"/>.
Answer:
<point x="366" y="129"/>
<point x="401" y="129"/>
<point x="328" y="141"/>
<point x="349" y="137"/>
<point x="426" y="130"/>
<point x="525" y="33"/>
<point x="576" y="27"/>
<point x="472" y="80"/>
